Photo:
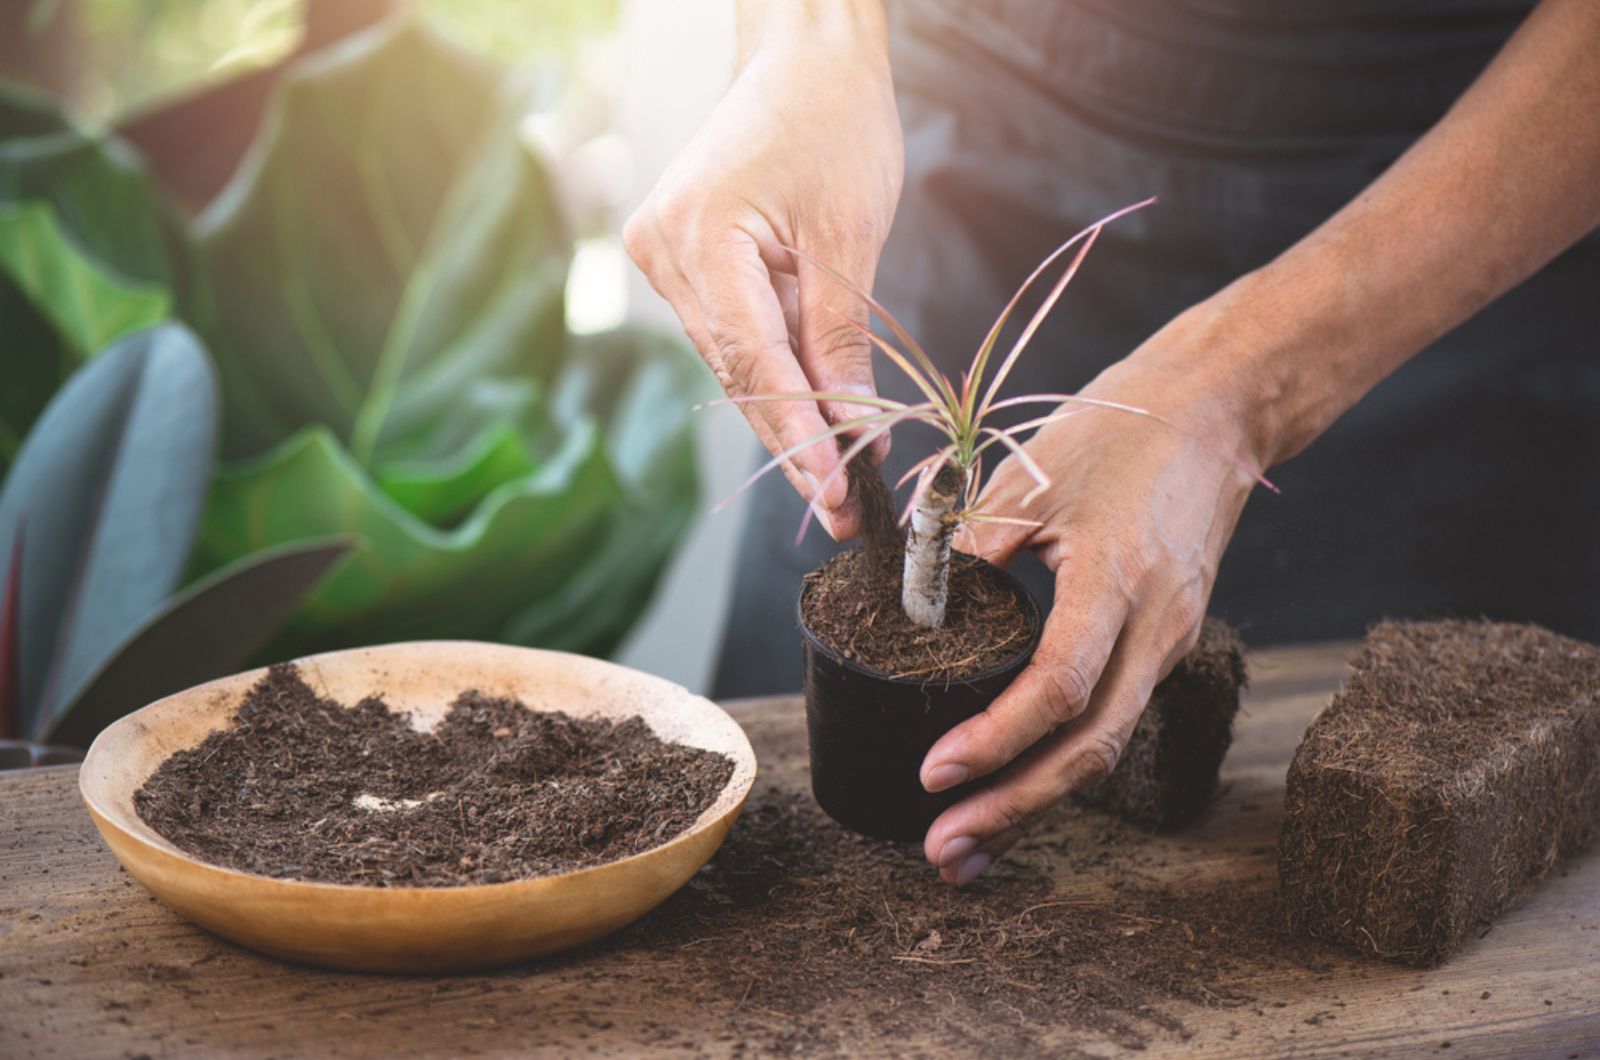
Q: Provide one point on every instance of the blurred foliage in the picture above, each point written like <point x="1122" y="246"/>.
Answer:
<point x="96" y="522"/>
<point x="383" y="288"/>
<point x="124" y="55"/>
<point x="84" y="253"/>
<point x="380" y="286"/>
<point x="394" y="163"/>
<point x="104" y="500"/>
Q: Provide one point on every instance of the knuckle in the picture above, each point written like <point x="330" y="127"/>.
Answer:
<point x="832" y="339"/>
<point x="1186" y="614"/>
<point x="636" y="237"/>
<point x="742" y="366"/>
<point x="735" y="367"/>
<point x="675" y="213"/>
<point x="1100" y="755"/>
<point x="1011" y="811"/>
<point x="1065" y="688"/>
<point x="1129" y="567"/>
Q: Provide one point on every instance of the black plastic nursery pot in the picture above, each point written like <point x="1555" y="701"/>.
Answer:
<point x="869" y="731"/>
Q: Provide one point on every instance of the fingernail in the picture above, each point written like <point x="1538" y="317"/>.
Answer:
<point x="956" y="849"/>
<point x="815" y="500"/>
<point x="971" y="867"/>
<point x="945" y="776"/>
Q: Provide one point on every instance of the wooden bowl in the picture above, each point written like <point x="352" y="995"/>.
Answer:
<point x="416" y="929"/>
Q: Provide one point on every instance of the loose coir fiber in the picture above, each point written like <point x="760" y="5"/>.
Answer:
<point x="1168" y="771"/>
<point x="1457" y="767"/>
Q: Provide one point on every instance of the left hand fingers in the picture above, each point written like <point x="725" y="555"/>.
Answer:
<point x="967" y="837"/>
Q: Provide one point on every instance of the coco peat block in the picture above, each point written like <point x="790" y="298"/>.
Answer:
<point x="1168" y="771"/>
<point x="1457" y="767"/>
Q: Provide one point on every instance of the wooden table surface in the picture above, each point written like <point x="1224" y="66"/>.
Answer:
<point x="91" y="965"/>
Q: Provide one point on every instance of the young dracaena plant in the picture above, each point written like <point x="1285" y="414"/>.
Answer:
<point x="948" y="480"/>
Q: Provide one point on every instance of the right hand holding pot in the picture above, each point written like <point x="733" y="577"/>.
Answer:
<point x="1133" y="524"/>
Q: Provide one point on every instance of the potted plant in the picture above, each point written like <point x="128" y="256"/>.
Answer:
<point x="904" y="638"/>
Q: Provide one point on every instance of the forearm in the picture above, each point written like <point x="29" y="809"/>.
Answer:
<point x="858" y="23"/>
<point x="1506" y="181"/>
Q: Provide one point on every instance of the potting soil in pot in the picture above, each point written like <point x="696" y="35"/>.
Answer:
<point x="852" y="603"/>
<point x="300" y="787"/>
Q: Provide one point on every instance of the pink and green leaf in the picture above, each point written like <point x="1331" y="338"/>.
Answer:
<point x="1004" y="520"/>
<point x="1031" y="466"/>
<point x="1033" y="324"/>
<point x="840" y="396"/>
<point x="887" y="317"/>
<point x="925" y="477"/>
<point x="936" y="387"/>
<point x="1117" y="406"/>
<point x="889" y="418"/>
<point x="980" y="360"/>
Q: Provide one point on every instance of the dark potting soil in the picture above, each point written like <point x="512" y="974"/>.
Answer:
<point x="300" y="787"/>
<point x="1459" y="765"/>
<point x="1168" y="772"/>
<point x="852" y="602"/>
<point x="817" y="933"/>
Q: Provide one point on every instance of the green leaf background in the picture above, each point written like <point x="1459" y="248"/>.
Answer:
<point x="105" y="497"/>
<point x="383" y="286"/>
<point x="389" y="243"/>
<point x="381" y="289"/>
<point x="561" y="552"/>
<point x="86" y="249"/>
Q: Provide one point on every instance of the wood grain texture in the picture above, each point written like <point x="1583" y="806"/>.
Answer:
<point x="91" y="965"/>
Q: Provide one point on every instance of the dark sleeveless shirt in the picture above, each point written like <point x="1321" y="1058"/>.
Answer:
<point x="1467" y="484"/>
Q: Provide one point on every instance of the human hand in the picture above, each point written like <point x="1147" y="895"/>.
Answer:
<point x="803" y="151"/>
<point x="1133" y="525"/>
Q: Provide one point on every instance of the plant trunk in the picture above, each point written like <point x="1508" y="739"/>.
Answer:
<point x="927" y="568"/>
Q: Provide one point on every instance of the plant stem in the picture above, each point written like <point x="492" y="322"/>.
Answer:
<point x="926" y="582"/>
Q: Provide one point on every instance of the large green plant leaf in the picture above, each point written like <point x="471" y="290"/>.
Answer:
<point x="57" y="307"/>
<point x="389" y="244"/>
<point x="25" y="112"/>
<point x="86" y="250"/>
<point x="103" y="197"/>
<point x="643" y="386"/>
<point x="86" y="304"/>
<point x="206" y="631"/>
<point x="409" y="579"/>
<point x="557" y="541"/>
<point x="443" y="491"/>
<point x="106" y="494"/>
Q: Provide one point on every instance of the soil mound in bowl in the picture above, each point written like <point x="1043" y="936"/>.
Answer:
<point x="1457" y="767"/>
<point x="301" y="787"/>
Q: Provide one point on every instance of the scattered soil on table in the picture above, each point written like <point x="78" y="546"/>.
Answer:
<point x="300" y="787"/>
<point x="812" y="933"/>
<point x="852" y="602"/>
<point x="1457" y="767"/>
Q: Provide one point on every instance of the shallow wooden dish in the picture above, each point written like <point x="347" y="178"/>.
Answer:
<point x="415" y="929"/>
